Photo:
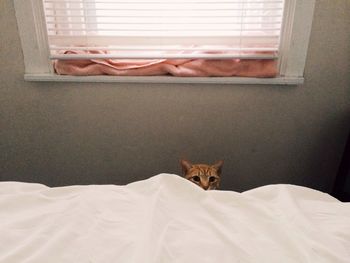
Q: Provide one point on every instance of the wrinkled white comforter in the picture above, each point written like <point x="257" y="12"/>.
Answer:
<point x="167" y="219"/>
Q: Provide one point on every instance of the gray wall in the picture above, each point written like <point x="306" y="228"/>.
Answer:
<point x="75" y="133"/>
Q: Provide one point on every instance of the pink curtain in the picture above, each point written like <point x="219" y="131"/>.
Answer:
<point x="262" y="68"/>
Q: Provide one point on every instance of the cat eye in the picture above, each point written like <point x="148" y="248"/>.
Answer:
<point x="196" y="178"/>
<point x="212" y="179"/>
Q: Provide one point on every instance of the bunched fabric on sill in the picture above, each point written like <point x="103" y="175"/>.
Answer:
<point x="263" y="68"/>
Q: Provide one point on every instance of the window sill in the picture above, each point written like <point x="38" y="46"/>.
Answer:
<point x="166" y="79"/>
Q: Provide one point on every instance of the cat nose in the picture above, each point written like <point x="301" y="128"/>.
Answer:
<point x="205" y="187"/>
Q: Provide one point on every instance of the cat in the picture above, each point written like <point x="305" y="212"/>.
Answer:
<point x="204" y="175"/>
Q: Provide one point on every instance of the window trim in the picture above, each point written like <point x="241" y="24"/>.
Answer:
<point x="166" y="79"/>
<point x="294" y="45"/>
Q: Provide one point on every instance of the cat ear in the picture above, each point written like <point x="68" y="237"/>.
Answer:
<point x="186" y="165"/>
<point x="218" y="166"/>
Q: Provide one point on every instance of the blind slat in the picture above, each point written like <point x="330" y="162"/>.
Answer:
<point x="188" y="22"/>
<point x="123" y="9"/>
<point x="174" y="15"/>
<point x="127" y="55"/>
<point x="162" y="48"/>
<point x="164" y="2"/>
<point x="249" y="41"/>
<point x="173" y="27"/>
<point x="53" y="25"/>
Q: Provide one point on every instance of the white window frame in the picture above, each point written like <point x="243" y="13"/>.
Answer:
<point x="294" y="44"/>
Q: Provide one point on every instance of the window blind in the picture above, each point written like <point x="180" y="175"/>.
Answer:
<point x="148" y="29"/>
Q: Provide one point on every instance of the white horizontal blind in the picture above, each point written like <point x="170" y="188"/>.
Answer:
<point x="147" y="29"/>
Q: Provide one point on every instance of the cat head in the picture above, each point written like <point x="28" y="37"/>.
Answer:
<point x="203" y="175"/>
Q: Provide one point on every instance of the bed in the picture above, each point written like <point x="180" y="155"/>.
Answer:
<point x="169" y="219"/>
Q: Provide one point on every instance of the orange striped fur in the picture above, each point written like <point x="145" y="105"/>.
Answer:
<point x="204" y="175"/>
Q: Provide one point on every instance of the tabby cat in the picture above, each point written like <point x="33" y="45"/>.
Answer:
<point x="203" y="175"/>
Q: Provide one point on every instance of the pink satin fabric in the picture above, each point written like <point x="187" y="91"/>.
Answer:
<point x="262" y="68"/>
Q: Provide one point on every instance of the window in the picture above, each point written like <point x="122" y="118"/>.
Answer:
<point x="271" y="30"/>
<point x="147" y="28"/>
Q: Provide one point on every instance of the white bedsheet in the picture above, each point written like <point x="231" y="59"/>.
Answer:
<point x="168" y="219"/>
